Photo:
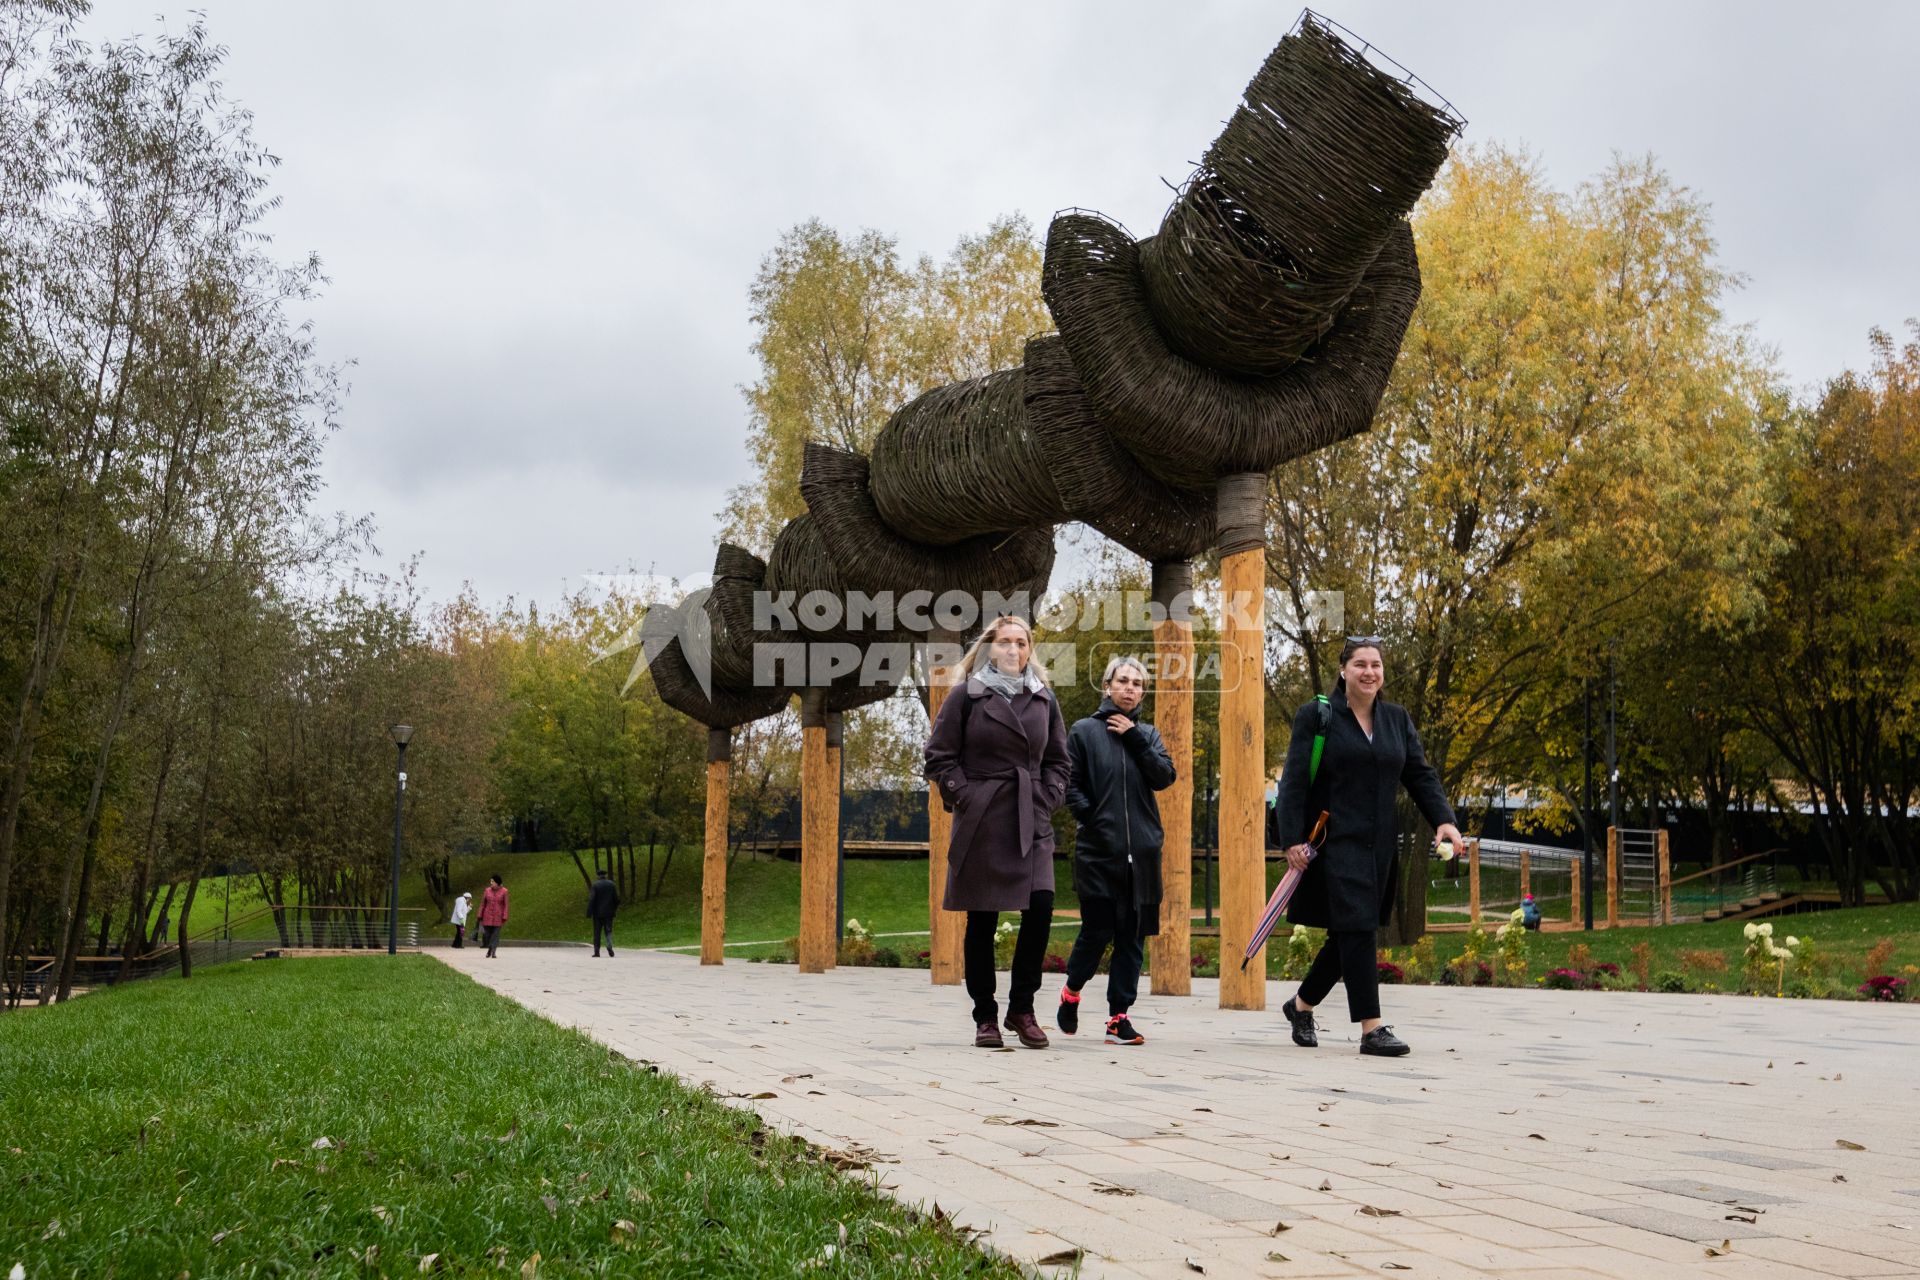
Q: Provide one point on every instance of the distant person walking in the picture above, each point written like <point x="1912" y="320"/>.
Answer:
<point x="493" y="914"/>
<point x="1368" y="751"/>
<point x="462" y="908"/>
<point x="998" y="756"/>
<point x="1118" y="763"/>
<point x="160" y="932"/>
<point x="603" y="899"/>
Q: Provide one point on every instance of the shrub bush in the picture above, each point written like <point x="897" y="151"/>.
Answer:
<point x="1564" y="979"/>
<point x="1641" y="964"/>
<point x="1391" y="973"/>
<point x="1879" y="958"/>
<point x="886" y="958"/>
<point x="1670" y="982"/>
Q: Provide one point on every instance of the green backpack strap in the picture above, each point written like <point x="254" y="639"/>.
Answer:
<point x="1320" y="738"/>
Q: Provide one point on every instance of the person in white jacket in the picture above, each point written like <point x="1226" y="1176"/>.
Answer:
<point x="462" y="908"/>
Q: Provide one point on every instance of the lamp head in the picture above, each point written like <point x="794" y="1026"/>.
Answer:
<point x="400" y="733"/>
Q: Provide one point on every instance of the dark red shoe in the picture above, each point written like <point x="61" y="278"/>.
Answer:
<point x="1027" y="1027"/>
<point x="987" y="1036"/>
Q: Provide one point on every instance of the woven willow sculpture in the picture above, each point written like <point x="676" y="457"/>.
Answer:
<point x="1260" y="324"/>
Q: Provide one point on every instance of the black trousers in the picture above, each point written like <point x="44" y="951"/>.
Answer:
<point x="1029" y="952"/>
<point x="1105" y="921"/>
<point x="599" y="927"/>
<point x="459" y="935"/>
<point x="1349" y="958"/>
<point x="490" y="934"/>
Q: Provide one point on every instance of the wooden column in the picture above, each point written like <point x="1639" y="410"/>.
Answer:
<point x="1664" y="860"/>
<point x="817" y="794"/>
<point x="1241" y="506"/>
<point x="1613" y="877"/>
<point x="946" y="929"/>
<point x="1526" y="873"/>
<point x="1473" y="883"/>
<point x="713" y="867"/>
<point x="836" y="733"/>
<point x="1173" y="716"/>
<point x="1578" y="911"/>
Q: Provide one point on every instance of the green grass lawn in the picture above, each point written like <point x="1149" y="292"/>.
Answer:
<point x="549" y="899"/>
<point x="391" y="1117"/>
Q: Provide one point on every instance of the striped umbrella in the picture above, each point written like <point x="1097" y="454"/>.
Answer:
<point x="1283" y="893"/>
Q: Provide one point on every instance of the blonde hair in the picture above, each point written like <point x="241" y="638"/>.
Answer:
<point x="1124" y="660"/>
<point x="979" y="654"/>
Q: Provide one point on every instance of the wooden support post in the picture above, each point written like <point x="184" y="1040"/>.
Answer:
<point x="1241" y="506"/>
<point x="1173" y="716"/>
<point x="1526" y="873"/>
<point x="1613" y="877"/>
<point x="946" y="929"/>
<point x="1473" y="883"/>
<point x="1664" y="859"/>
<point x="836" y="729"/>
<point x="816" y="837"/>
<point x="713" y="867"/>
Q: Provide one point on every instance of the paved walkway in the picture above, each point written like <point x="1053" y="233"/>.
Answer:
<point x="1531" y="1133"/>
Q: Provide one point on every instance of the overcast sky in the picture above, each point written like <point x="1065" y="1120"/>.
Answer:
<point x="541" y="221"/>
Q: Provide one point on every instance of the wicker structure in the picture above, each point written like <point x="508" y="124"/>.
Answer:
<point x="1258" y="325"/>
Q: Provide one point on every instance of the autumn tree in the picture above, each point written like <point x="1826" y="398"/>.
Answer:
<point x="845" y="335"/>
<point x="1832" y="678"/>
<point x="1569" y="445"/>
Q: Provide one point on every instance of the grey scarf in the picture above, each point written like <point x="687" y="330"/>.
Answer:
<point x="1005" y="685"/>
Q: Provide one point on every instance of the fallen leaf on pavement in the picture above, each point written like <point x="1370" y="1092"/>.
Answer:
<point x="1064" y="1258"/>
<point x="1373" y="1211"/>
<point x="1722" y="1250"/>
<point x="1844" y="1145"/>
<point x="1278" y="1227"/>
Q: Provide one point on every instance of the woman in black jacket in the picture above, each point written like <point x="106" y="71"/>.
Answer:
<point x="1371" y="751"/>
<point x="1118" y="763"/>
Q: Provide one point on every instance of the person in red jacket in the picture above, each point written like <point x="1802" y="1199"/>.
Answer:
<point x="493" y="914"/>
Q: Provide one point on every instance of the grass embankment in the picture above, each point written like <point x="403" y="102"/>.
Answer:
<point x="378" y="1113"/>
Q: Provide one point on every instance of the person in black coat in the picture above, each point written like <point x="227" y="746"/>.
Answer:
<point x="1118" y="763"/>
<point x="603" y="899"/>
<point x="998" y="756"/>
<point x="1371" y="751"/>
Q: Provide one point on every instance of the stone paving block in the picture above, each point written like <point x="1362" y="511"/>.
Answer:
<point x="1640" y="1113"/>
<point x="1751" y="1159"/>
<point x="1709" y="1191"/>
<point x="1823" y="1260"/>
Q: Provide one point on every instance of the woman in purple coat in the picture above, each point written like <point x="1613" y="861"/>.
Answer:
<point x="998" y="754"/>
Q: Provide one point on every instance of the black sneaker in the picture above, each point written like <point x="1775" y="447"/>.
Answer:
<point x="1120" y="1031"/>
<point x="1302" y="1023"/>
<point x="1067" y="1017"/>
<point x="1383" y="1042"/>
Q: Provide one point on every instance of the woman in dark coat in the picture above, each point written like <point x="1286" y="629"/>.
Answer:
<point x="998" y="754"/>
<point x="1371" y="751"/>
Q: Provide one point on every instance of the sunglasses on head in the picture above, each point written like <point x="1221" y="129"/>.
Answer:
<point x="1375" y="641"/>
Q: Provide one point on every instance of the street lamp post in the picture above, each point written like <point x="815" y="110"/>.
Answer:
<point x="400" y="733"/>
